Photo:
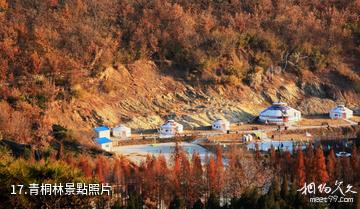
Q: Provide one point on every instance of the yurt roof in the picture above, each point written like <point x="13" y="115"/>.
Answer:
<point x="170" y="124"/>
<point x="340" y="108"/>
<point x="121" y="126"/>
<point x="219" y="120"/>
<point x="277" y="107"/>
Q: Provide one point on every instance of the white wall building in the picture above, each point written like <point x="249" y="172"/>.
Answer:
<point x="121" y="131"/>
<point x="247" y="138"/>
<point x="102" y="131"/>
<point x="279" y="113"/>
<point x="221" y="125"/>
<point x="105" y="143"/>
<point x="340" y="112"/>
<point x="170" y="129"/>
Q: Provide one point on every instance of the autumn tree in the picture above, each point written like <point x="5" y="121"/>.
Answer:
<point x="320" y="166"/>
<point x="286" y="162"/>
<point x="219" y="170"/>
<point x="176" y="169"/>
<point x="197" y="176"/>
<point x="162" y="180"/>
<point x="234" y="175"/>
<point x="116" y="173"/>
<point x="186" y="181"/>
<point x="85" y="166"/>
<point x="347" y="171"/>
<point x="300" y="169"/>
<point x="355" y="161"/>
<point x="331" y="160"/>
<point x="211" y="175"/>
<point x="310" y="164"/>
<point x="100" y="170"/>
<point x="274" y="158"/>
<point x="148" y="181"/>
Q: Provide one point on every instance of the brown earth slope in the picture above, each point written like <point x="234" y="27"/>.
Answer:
<point x="142" y="97"/>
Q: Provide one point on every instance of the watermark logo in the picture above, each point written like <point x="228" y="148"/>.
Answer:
<point x="324" y="193"/>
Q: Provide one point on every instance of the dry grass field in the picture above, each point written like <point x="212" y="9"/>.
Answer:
<point x="355" y="119"/>
<point x="321" y="121"/>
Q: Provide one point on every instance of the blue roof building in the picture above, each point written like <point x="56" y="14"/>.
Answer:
<point x="101" y="128"/>
<point x="105" y="143"/>
<point x="102" y="131"/>
<point x="102" y="140"/>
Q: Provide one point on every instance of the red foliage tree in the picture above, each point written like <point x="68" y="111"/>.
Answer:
<point x="321" y="172"/>
<point x="310" y="164"/>
<point x="85" y="166"/>
<point x="286" y="162"/>
<point x="99" y="171"/>
<point x="116" y="174"/>
<point x="162" y="179"/>
<point x="274" y="159"/>
<point x="347" y="171"/>
<point x="300" y="169"/>
<point x="355" y="161"/>
<point x="219" y="170"/>
<point x="176" y="170"/>
<point x="211" y="175"/>
<point x="331" y="165"/>
<point x="197" y="176"/>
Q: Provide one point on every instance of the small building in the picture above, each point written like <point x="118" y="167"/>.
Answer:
<point x="121" y="131"/>
<point x="105" y="143"/>
<point x="170" y="129"/>
<point x="340" y="112"/>
<point x="102" y="131"/>
<point x="279" y="113"/>
<point x="247" y="138"/>
<point x="221" y="125"/>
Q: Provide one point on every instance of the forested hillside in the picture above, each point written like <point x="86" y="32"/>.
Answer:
<point x="55" y="55"/>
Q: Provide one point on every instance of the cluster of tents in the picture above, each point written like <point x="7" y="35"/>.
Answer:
<point x="278" y="113"/>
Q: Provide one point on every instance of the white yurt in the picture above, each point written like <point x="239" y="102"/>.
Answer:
<point x="340" y="112"/>
<point x="247" y="138"/>
<point x="279" y="113"/>
<point x="121" y="131"/>
<point x="170" y="129"/>
<point x="221" y="125"/>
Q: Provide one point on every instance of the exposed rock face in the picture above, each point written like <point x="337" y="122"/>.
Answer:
<point x="315" y="105"/>
<point x="314" y="89"/>
<point x="140" y="96"/>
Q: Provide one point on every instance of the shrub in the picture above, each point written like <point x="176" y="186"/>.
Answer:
<point x="59" y="132"/>
<point x="77" y="92"/>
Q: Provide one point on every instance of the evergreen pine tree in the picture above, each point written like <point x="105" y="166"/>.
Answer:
<point x="285" y="187"/>
<point x="213" y="202"/>
<point x="198" y="205"/>
<point x="60" y="153"/>
<point x="176" y="203"/>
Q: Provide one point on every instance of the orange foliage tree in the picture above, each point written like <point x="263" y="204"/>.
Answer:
<point x="320" y="166"/>
<point x="300" y="169"/>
